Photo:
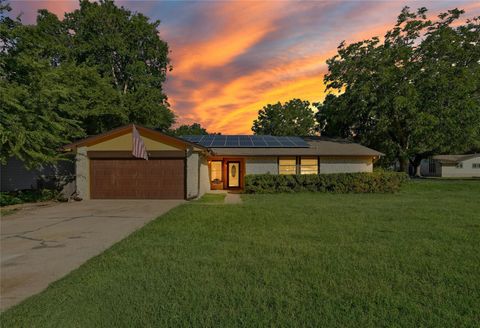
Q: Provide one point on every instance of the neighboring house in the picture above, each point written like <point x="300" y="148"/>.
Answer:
<point x="451" y="166"/>
<point x="14" y="175"/>
<point x="185" y="168"/>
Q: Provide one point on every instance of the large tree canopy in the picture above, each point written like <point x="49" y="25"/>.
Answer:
<point x="414" y="94"/>
<point x="125" y="48"/>
<point x="100" y="67"/>
<point x="293" y="118"/>
<point x="187" y="130"/>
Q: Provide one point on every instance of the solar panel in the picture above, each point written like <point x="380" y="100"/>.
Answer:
<point x="232" y="141"/>
<point x="286" y="142"/>
<point x="245" y="141"/>
<point x="258" y="141"/>
<point x="272" y="141"/>
<point x="299" y="142"/>
<point x="219" y="141"/>
<point x="207" y="140"/>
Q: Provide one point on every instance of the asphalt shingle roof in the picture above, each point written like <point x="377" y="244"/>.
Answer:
<point x="318" y="146"/>
<point x="454" y="158"/>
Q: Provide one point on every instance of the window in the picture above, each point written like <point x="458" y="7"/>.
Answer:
<point x="459" y="166"/>
<point x="308" y="165"/>
<point x="476" y="166"/>
<point x="216" y="171"/>
<point x="287" y="165"/>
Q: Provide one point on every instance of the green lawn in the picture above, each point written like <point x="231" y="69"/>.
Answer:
<point x="406" y="260"/>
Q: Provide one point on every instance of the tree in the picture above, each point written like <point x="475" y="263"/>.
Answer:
<point x="412" y="95"/>
<point x="186" y="130"/>
<point x="125" y="48"/>
<point x="56" y="84"/>
<point x="30" y="129"/>
<point x="293" y="118"/>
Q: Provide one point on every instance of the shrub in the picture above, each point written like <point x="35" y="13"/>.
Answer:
<point x="381" y="181"/>
<point x="26" y="196"/>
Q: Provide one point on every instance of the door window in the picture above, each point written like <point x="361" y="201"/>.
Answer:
<point x="234" y="174"/>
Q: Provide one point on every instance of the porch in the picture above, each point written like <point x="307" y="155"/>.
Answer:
<point x="226" y="173"/>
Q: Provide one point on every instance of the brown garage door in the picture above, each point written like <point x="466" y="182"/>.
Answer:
<point x="137" y="179"/>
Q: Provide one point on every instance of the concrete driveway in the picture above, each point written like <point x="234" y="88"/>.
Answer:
<point x="41" y="244"/>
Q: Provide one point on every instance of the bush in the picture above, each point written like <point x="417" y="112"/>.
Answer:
<point x="27" y="196"/>
<point x="381" y="181"/>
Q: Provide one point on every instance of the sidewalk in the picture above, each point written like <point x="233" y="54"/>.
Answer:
<point x="233" y="199"/>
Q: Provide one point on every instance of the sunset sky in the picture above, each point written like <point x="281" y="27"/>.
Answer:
<point x="230" y="58"/>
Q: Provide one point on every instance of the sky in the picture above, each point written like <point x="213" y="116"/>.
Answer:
<point x="231" y="58"/>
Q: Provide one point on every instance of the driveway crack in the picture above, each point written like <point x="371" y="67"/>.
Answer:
<point x="7" y="236"/>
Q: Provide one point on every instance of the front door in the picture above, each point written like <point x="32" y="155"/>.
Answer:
<point x="233" y="174"/>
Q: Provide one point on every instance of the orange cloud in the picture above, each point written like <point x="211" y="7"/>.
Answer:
<point x="241" y="25"/>
<point x="235" y="106"/>
<point x="231" y="58"/>
<point x="230" y="106"/>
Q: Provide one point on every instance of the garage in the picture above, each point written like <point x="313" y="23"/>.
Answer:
<point x="137" y="179"/>
<point x="107" y="166"/>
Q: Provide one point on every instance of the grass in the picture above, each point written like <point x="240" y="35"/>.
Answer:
<point x="212" y="198"/>
<point x="409" y="259"/>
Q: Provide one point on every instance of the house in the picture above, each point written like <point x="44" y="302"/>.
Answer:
<point x="188" y="167"/>
<point x="451" y="166"/>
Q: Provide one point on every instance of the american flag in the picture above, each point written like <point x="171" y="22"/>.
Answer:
<point x="138" y="149"/>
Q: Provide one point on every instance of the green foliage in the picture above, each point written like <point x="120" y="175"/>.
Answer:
<point x="381" y="181"/>
<point x="99" y="68"/>
<point x="293" y="118"/>
<point x="27" y="196"/>
<point x="32" y="126"/>
<point x="415" y="94"/>
<point x="125" y="48"/>
<point x="186" y="130"/>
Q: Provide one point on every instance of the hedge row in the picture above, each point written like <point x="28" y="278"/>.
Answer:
<point x="26" y="196"/>
<point x="336" y="183"/>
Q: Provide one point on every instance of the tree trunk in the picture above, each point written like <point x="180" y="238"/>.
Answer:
<point x="418" y="173"/>
<point x="417" y="160"/>
<point x="404" y="165"/>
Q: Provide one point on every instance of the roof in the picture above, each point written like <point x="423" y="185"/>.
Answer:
<point x="317" y="146"/>
<point x="152" y="134"/>
<point x="339" y="147"/>
<point x="453" y="159"/>
<point x="244" y="145"/>
<point x="247" y="141"/>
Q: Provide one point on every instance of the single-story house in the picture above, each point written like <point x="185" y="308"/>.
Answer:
<point x="188" y="167"/>
<point x="451" y="166"/>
